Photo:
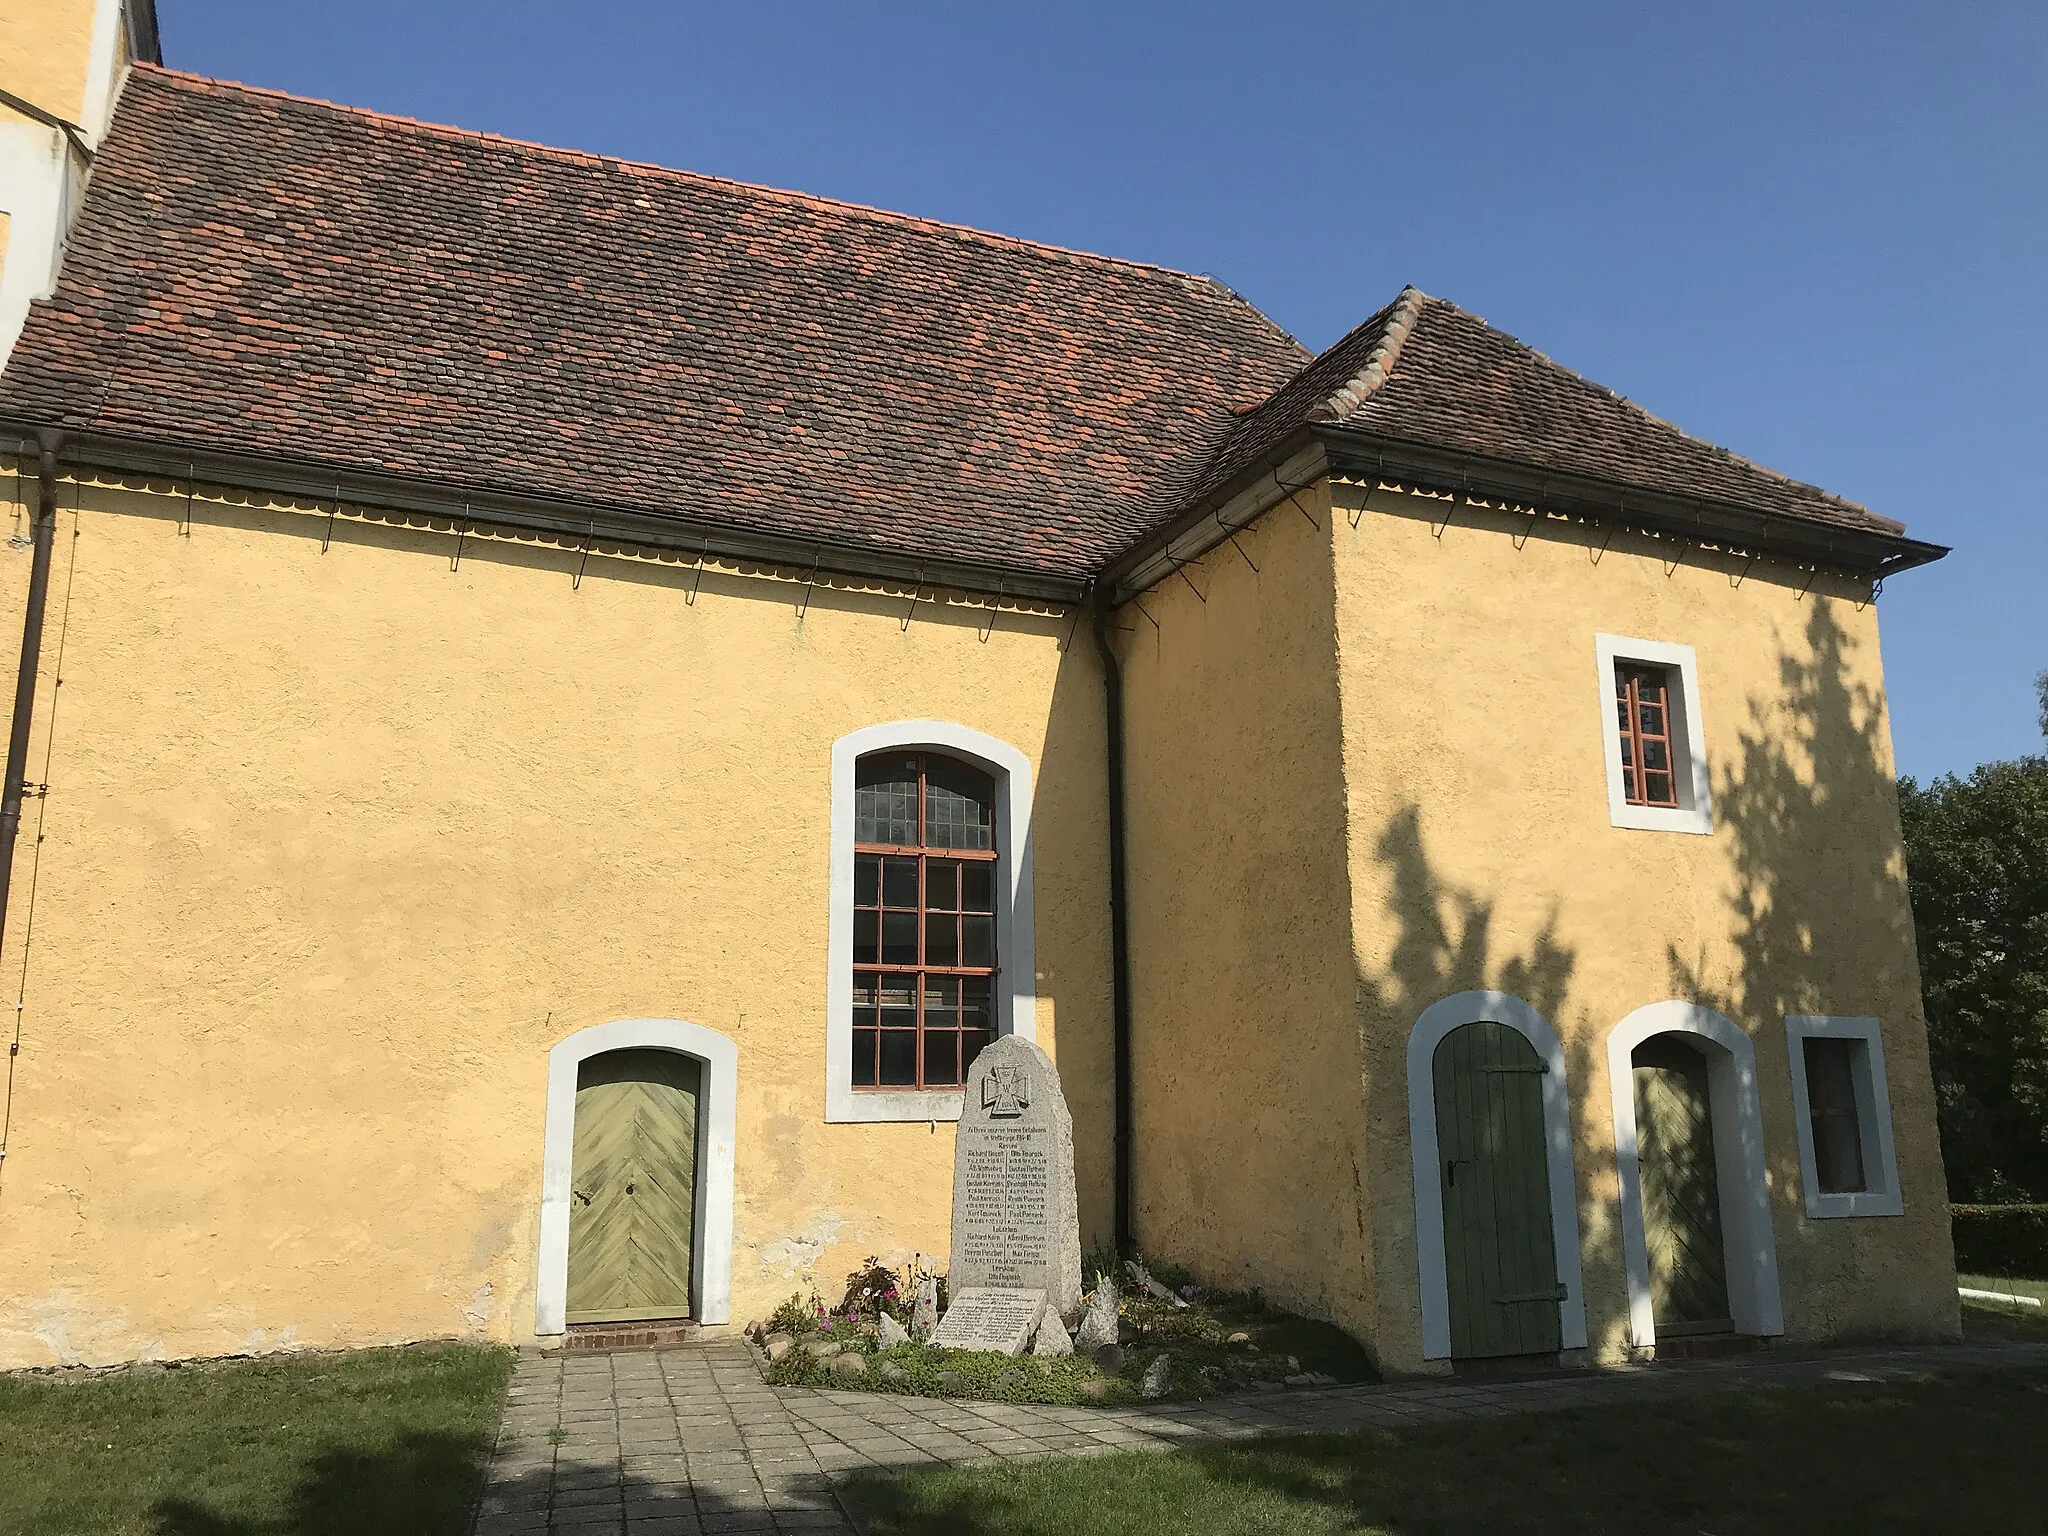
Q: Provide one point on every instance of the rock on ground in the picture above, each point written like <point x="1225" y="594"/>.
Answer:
<point x="1143" y="1278"/>
<point x="890" y="1331"/>
<point x="1052" y="1341"/>
<point x="1099" y="1322"/>
<point x="924" y="1314"/>
<point x="1158" y="1377"/>
<point x="848" y="1366"/>
<point x="778" y="1344"/>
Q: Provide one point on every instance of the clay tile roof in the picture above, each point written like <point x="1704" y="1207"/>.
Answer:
<point x="260" y="274"/>
<point x="1424" y="371"/>
<point x="268" y="275"/>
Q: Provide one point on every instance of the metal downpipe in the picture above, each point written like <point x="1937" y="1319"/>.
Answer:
<point x="1119" y="937"/>
<point x="47" y="442"/>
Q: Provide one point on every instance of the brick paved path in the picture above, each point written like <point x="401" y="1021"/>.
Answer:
<point x="691" y="1441"/>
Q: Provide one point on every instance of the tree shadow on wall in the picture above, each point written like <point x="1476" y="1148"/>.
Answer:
<point x="1821" y="922"/>
<point x="1445" y="944"/>
<point x="1819" y="868"/>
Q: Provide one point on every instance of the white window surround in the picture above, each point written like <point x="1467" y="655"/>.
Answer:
<point x="1437" y="1021"/>
<point x="1746" y="1235"/>
<point x="1695" y="809"/>
<point x="1015" y="996"/>
<point x="711" y="1255"/>
<point x="1873" y="1118"/>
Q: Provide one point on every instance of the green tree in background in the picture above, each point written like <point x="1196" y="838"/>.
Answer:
<point x="1977" y="864"/>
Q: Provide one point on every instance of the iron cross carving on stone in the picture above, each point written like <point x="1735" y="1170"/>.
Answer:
<point x="1006" y="1092"/>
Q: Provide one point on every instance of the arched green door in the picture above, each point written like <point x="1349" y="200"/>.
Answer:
<point x="1681" y="1192"/>
<point x="633" y="1187"/>
<point x="1499" y="1255"/>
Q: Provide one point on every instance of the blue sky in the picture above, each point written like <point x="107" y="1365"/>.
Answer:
<point x="1817" y="234"/>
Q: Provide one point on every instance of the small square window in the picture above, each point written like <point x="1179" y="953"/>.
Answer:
<point x="1656" y="765"/>
<point x="1642" y="697"/>
<point x="1844" y="1116"/>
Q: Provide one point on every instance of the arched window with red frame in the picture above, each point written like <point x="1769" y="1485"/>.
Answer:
<point x="924" y="924"/>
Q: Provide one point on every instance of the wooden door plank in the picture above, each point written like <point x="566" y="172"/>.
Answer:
<point x="1680" y="1188"/>
<point x="633" y="1173"/>
<point x="1500" y="1264"/>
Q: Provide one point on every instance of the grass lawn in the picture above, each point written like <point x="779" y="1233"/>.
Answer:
<point x="1931" y="1455"/>
<point x="382" y="1440"/>
<point x="1990" y="1321"/>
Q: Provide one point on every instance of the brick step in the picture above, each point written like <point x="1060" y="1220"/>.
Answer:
<point x="1706" y="1346"/>
<point x="648" y="1333"/>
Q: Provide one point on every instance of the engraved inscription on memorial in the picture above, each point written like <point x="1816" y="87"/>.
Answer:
<point x="1001" y="1233"/>
<point x="991" y="1318"/>
<point x="1013" y="1178"/>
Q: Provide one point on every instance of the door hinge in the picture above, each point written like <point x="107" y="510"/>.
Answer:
<point x="1541" y="1069"/>
<point x="1555" y="1293"/>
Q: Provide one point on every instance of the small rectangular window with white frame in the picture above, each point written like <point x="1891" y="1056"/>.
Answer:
<point x="1653" y="739"/>
<point x="1842" y="1107"/>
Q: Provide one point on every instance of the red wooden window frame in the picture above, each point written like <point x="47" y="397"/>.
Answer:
<point x="1642" y="698"/>
<point x="939" y="986"/>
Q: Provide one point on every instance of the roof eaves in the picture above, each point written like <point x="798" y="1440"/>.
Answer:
<point x="1871" y="552"/>
<point x="594" y="523"/>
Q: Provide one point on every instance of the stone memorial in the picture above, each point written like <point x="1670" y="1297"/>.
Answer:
<point x="1014" y="1220"/>
<point x="1016" y="1232"/>
<point x="991" y="1317"/>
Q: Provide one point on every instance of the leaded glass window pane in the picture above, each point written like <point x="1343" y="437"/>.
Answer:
<point x="885" y="801"/>
<point x="924" y="919"/>
<point x="959" y="806"/>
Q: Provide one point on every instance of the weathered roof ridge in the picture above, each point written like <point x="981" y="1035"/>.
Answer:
<point x="1643" y="411"/>
<point x="1401" y="315"/>
<point x="650" y="168"/>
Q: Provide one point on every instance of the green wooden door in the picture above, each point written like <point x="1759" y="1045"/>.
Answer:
<point x="1499" y="1255"/>
<point x="1681" y="1195"/>
<point x="633" y="1181"/>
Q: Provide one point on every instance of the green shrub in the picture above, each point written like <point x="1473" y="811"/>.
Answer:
<point x="2001" y="1239"/>
<point x="799" y="1316"/>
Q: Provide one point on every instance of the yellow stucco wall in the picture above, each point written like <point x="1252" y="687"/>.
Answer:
<point x="45" y="48"/>
<point x="1371" y="775"/>
<point x="1481" y="855"/>
<point x="337" y="846"/>
<point x="1246" y="1059"/>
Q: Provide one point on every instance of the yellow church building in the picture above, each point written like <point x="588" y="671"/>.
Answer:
<point x="561" y="701"/>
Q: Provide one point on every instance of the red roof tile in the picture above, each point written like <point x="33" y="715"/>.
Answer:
<point x="1427" y="372"/>
<point x="261" y="274"/>
<point x="268" y="275"/>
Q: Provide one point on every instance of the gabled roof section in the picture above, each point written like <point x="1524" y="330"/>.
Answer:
<point x="1423" y="371"/>
<point x="281" y="278"/>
